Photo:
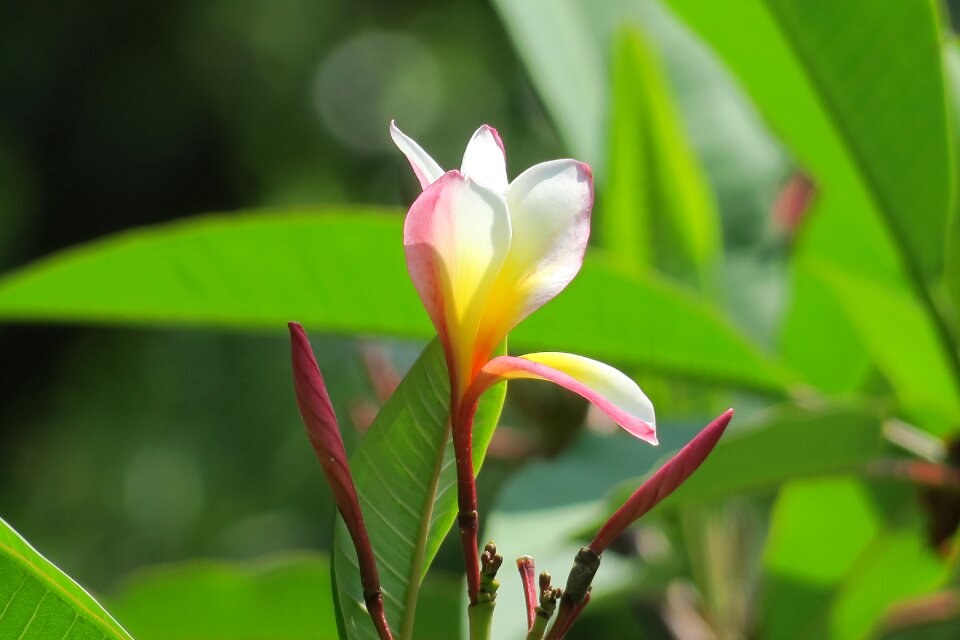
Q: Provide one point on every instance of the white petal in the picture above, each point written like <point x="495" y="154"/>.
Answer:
<point x="610" y="390"/>
<point x="426" y="168"/>
<point x="550" y="206"/>
<point x="456" y="237"/>
<point x="485" y="159"/>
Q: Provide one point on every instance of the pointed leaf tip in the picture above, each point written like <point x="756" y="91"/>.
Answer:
<point x="664" y="482"/>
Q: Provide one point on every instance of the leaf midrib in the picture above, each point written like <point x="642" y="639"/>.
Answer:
<point x="54" y="587"/>
<point x="911" y="266"/>
<point x="413" y="584"/>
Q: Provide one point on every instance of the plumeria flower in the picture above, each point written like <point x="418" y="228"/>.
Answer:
<point x="484" y="253"/>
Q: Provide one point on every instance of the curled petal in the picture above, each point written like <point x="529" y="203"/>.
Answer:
<point x="610" y="390"/>
<point x="456" y="237"/>
<point x="485" y="159"/>
<point x="425" y="167"/>
<point x="664" y="482"/>
<point x="550" y="206"/>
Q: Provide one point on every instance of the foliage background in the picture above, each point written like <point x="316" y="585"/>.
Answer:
<point x="125" y="447"/>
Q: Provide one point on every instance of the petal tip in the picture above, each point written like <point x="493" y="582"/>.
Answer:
<point x="585" y="170"/>
<point x="496" y="137"/>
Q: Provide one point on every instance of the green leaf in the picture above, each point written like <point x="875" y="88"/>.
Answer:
<point x="340" y="270"/>
<point x="900" y="564"/>
<point x="883" y="56"/>
<point x="809" y="550"/>
<point x="405" y="474"/>
<point x="569" y="77"/>
<point x="658" y="209"/>
<point x="883" y="173"/>
<point x="833" y="578"/>
<point x="753" y="457"/>
<point x="37" y="600"/>
<point x="951" y="62"/>
<point x="917" y="368"/>
<point x="281" y="598"/>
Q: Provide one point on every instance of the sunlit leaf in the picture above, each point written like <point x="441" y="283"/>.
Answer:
<point x="917" y="368"/>
<point x="405" y="474"/>
<point x="877" y="72"/>
<point x="658" y="209"/>
<point x="864" y="115"/>
<point x="900" y="564"/>
<point x="838" y="556"/>
<point x="342" y="271"/>
<point x="951" y="63"/>
<point x="570" y="77"/>
<point x="37" y="600"/>
<point x="281" y="598"/>
<point x="810" y="549"/>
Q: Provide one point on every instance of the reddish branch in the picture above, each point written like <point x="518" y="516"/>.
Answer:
<point x="467" y="518"/>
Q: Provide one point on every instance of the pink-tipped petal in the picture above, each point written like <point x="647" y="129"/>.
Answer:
<point x="485" y="159"/>
<point x="425" y="167"/>
<point x="456" y="237"/>
<point x="610" y="390"/>
<point x="664" y="482"/>
<point x="550" y="206"/>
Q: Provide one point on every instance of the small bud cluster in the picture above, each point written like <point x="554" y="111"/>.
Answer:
<point x="490" y="562"/>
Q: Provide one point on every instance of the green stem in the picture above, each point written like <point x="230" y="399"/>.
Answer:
<point x="481" y="619"/>
<point x="539" y="628"/>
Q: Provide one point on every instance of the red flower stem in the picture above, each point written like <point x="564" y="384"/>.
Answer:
<point x="467" y="518"/>
<point x="563" y="627"/>
<point x="585" y="566"/>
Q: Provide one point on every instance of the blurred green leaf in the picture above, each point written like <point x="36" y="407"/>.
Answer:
<point x="836" y="559"/>
<point x="658" y="207"/>
<point x="37" y="600"/>
<point x="882" y="173"/>
<point x="569" y="77"/>
<point x="778" y="446"/>
<point x="281" y="598"/>
<point x="915" y="366"/>
<point x="818" y="530"/>
<point x="405" y="474"/>
<point x="898" y="565"/>
<point x="877" y="71"/>
<point x="951" y="61"/>
<point x="342" y="270"/>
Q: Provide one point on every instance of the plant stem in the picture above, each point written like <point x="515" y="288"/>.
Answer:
<point x="467" y="518"/>
<point x="538" y="629"/>
<point x="481" y="619"/>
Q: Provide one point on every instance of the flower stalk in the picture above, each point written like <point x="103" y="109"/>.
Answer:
<point x="468" y="520"/>
<point x="480" y="613"/>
